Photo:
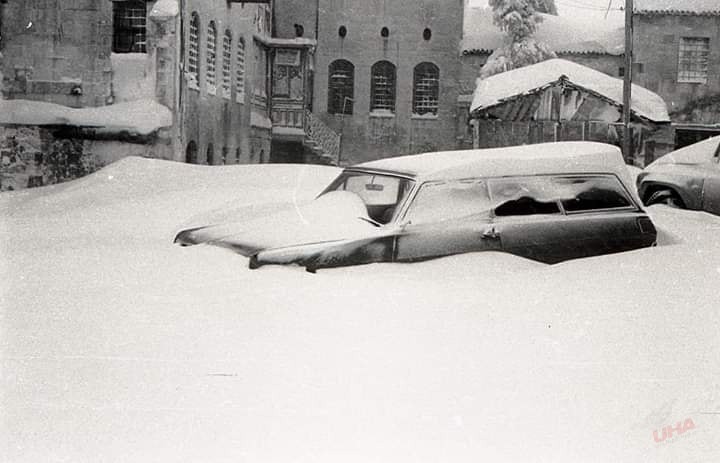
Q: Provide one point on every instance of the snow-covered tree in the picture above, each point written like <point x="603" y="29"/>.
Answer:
<point x="519" y="20"/>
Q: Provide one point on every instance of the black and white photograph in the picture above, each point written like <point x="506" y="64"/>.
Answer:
<point x="308" y="231"/>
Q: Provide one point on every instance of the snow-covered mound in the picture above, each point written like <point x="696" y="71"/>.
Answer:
<point x="116" y="345"/>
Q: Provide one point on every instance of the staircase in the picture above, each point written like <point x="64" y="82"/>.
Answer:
<point x="323" y="141"/>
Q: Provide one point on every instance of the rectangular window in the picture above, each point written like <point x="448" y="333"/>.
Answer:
<point x="693" y="60"/>
<point x="129" y="27"/>
<point x="586" y="194"/>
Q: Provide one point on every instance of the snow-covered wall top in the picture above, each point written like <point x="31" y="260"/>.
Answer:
<point x="165" y="9"/>
<point x="141" y="117"/>
<point x="496" y="89"/>
<point x="562" y="35"/>
<point x="684" y="7"/>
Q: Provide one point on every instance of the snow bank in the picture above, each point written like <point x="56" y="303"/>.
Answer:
<point x="495" y="89"/>
<point x="117" y="345"/>
<point x="141" y="116"/>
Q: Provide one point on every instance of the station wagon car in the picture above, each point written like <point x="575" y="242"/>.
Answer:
<point x="687" y="178"/>
<point x="548" y="202"/>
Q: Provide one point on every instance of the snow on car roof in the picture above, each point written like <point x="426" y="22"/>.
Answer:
<point x="542" y="158"/>
<point x="494" y="90"/>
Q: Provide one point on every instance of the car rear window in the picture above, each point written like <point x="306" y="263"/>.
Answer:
<point x="581" y="194"/>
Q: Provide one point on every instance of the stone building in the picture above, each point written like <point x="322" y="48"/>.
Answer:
<point x="384" y="74"/>
<point x="198" y="69"/>
<point x="677" y="54"/>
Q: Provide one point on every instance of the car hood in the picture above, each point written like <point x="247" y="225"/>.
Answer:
<point x="331" y="217"/>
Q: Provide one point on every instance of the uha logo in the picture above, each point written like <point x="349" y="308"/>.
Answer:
<point x="679" y="428"/>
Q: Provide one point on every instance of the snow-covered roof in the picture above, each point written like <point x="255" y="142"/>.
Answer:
<point x="562" y="35"/>
<point x="497" y="89"/>
<point x="141" y="117"/>
<point x="543" y="158"/>
<point x="678" y="7"/>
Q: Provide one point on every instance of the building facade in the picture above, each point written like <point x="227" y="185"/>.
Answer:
<point x="205" y="63"/>
<point x="384" y="73"/>
<point x="677" y="54"/>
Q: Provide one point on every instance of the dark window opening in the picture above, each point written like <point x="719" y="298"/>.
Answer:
<point x="191" y="153"/>
<point x="342" y="32"/>
<point x="210" y="155"/>
<point x="526" y="205"/>
<point x="129" y="27"/>
<point x="299" y="30"/>
<point x="341" y="83"/>
<point x="427" y="34"/>
<point x="382" y="89"/>
<point x="385" y="32"/>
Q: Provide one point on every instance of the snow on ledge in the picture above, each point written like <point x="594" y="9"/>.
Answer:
<point x="141" y="116"/>
<point x="165" y="9"/>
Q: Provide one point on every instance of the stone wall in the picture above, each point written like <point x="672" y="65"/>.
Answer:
<point x="371" y="136"/>
<point x="657" y="42"/>
<point x="32" y="156"/>
<point x="58" y="51"/>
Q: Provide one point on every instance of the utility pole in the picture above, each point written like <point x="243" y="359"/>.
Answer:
<point x="627" y="80"/>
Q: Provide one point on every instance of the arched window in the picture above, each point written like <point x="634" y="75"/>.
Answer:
<point x="237" y="155"/>
<point x="382" y="87"/>
<point x="211" y="58"/>
<point x="226" y="60"/>
<point x="210" y="155"/>
<point x="191" y="153"/>
<point x="426" y="88"/>
<point x="193" y="57"/>
<point x="225" y="152"/>
<point x="341" y="83"/>
<point x="240" y="72"/>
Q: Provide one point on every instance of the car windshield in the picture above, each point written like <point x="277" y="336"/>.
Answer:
<point x="381" y="193"/>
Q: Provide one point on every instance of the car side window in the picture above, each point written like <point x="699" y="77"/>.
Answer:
<point x="582" y="194"/>
<point x="523" y="196"/>
<point x="440" y="201"/>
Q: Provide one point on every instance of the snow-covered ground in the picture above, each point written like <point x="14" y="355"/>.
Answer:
<point x="117" y="345"/>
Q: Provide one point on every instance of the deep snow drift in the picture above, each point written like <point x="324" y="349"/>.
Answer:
<point x="117" y="345"/>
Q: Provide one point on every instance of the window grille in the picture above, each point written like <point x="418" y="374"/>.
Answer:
<point x="240" y="72"/>
<point x="341" y="87"/>
<point x="693" y="60"/>
<point x="227" y="58"/>
<point x="382" y="92"/>
<point x="210" y="72"/>
<point x="426" y="88"/>
<point x="129" y="27"/>
<point x="193" y="59"/>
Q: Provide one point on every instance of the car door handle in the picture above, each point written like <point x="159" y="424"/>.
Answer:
<point x="490" y="233"/>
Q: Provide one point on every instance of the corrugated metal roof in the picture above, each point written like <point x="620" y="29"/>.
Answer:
<point x="562" y="35"/>
<point x="678" y="7"/>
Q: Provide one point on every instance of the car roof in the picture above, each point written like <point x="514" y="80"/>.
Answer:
<point x="542" y="158"/>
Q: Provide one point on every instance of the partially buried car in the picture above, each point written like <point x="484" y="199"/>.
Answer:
<point x="687" y="178"/>
<point x="548" y="202"/>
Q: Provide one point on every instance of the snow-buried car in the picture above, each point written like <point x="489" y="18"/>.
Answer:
<point x="548" y="202"/>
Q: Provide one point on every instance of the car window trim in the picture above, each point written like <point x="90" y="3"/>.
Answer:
<point x="401" y="217"/>
<point x="557" y="202"/>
